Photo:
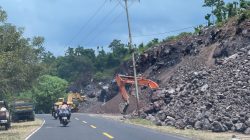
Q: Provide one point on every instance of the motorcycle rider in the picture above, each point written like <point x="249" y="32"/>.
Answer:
<point x="63" y="107"/>
<point x="54" y="108"/>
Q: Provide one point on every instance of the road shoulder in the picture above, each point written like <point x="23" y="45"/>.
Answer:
<point x="188" y="133"/>
<point x="20" y="130"/>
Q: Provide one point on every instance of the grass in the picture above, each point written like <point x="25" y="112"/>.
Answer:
<point x="190" y="133"/>
<point x="19" y="131"/>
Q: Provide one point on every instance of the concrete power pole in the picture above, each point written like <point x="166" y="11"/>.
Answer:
<point x="133" y="58"/>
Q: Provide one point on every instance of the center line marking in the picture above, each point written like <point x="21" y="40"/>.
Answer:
<point x="107" y="135"/>
<point x="84" y="122"/>
<point x="92" y="126"/>
<point x="77" y="119"/>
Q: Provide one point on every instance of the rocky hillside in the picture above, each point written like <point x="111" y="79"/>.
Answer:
<point x="205" y="80"/>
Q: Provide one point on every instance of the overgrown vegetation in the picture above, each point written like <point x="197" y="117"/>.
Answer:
<point x="223" y="11"/>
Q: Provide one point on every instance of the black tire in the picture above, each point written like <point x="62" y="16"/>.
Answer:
<point x="32" y="119"/>
<point x="55" y="116"/>
<point x="9" y="124"/>
<point x="6" y="126"/>
<point x="13" y="119"/>
<point x="65" y="124"/>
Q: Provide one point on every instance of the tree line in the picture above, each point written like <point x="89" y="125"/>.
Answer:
<point x="221" y="11"/>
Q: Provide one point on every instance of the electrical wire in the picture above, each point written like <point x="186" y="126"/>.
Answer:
<point x="120" y="2"/>
<point x="167" y="32"/>
<point x="162" y="33"/>
<point x="100" y="23"/>
<point x="103" y="29"/>
<point x="88" y="21"/>
<point x="112" y="22"/>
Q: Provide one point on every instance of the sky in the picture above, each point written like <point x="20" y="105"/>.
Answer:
<point x="92" y="23"/>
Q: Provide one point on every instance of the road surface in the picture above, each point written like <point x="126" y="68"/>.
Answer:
<point x="88" y="127"/>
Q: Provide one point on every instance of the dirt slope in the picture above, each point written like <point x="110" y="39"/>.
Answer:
<point x="207" y="85"/>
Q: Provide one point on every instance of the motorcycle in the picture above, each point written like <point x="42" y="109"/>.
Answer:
<point x="55" y="111"/>
<point x="64" y="116"/>
<point x="55" y="115"/>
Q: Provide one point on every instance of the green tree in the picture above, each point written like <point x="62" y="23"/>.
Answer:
<point x="3" y="15"/>
<point x="218" y="9"/>
<point x="244" y="4"/>
<point x="48" y="64"/>
<point x="47" y="90"/>
<point x="198" y="30"/>
<point x="76" y="68"/>
<point x="119" y="49"/>
<point x="207" y="17"/>
<point x="19" y="59"/>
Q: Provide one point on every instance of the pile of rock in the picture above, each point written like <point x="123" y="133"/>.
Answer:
<point x="205" y="97"/>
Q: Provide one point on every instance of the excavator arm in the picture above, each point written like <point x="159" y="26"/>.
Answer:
<point x="122" y="80"/>
<point x="74" y="96"/>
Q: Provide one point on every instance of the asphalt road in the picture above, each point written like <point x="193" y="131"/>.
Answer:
<point x="86" y="127"/>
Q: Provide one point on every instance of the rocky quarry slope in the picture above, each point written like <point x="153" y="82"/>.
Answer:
<point x="205" y="80"/>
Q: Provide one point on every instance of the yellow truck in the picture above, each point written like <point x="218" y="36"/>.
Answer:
<point x="73" y="100"/>
<point x="22" y="109"/>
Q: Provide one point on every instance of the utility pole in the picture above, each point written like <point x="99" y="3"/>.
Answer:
<point x="130" y="44"/>
<point x="213" y="15"/>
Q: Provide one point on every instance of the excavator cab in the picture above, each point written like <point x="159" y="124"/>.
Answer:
<point x="74" y="100"/>
<point x="122" y="80"/>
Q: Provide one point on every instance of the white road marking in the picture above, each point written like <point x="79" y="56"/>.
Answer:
<point x="35" y="131"/>
<point x="77" y="119"/>
<point x="84" y="121"/>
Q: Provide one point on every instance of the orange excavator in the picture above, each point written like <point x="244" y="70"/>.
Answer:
<point x="122" y="80"/>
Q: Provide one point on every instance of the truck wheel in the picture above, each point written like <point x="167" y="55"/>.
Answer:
<point x="14" y="119"/>
<point x="6" y="126"/>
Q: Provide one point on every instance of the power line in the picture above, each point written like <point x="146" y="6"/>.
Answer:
<point x="88" y="21"/>
<point x="177" y="30"/>
<point x="167" y="32"/>
<point x="120" y="2"/>
<point x="101" y="31"/>
<point x="101" y="21"/>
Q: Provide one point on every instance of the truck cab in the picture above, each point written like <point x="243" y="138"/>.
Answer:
<point x="4" y="115"/>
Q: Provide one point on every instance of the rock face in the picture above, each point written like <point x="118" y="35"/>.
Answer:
<point x="205" y="80"/>
<point x="98" y="94"/>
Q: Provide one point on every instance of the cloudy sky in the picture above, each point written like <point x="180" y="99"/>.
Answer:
<point x="92" y="23"/>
